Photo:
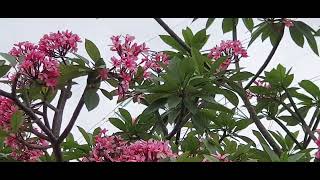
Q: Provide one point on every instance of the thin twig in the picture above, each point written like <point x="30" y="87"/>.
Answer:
<point x="173" y="34"/>
<point x="267" y="61"/>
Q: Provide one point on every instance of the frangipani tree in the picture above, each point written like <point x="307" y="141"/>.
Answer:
<point x="183" y="119"/>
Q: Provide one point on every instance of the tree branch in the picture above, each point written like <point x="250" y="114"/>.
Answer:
<point x="173" y="34"/>
<point x="314" y="117"/>
<point x="313" y="129"/>
<point x="304" y="124"/>
<point x="32" y="146"/>
<point x="30" y="113"/>
<point x="58" y="115"/>
<point x="73" y="118"/>
<point x="256" y="120"/>
<point x="287" y="131"/>
<point x="267" y="61"/>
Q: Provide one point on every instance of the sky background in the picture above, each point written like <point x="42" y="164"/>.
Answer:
<point x="305" y="64"/>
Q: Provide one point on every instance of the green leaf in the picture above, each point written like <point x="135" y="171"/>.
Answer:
<point x="85" y="60"/>
<point x="188" y="36"/>
<point x="257" y="33"/>
<point x="155" y="105"/>
<point x="173" y="43"/>
<point x="289" y="141"/>
<point x="199" y="39"/>
<point x="190" y="144"/>
<point x="113" y="82"/>
<point x="173" y="101"/>
<point x="218" y="107"/>
<point x="306" y="31"/>
<point x="92" y="50"/>
<point x="240" y="76"/>
<point x="291" y="121"/>
<point x="280" y="140"/>
<point x="4" y="69"/>
<point x="85" y="135"/>
<point x="216" y="65"/>
<point x="247" y="140"/>
<point x="242" y="124"/>
<point x="296" y="157"/>
<point x="91" y="99"/>
<point x="248" y="22"/>
<point x="69" y="72"/>
<point x="107" y="94"/>
<point x="310" y="87"/>
<point x="297" y="36"/>
<point x="200" y="122"/>
<point x="16" y="120"/>
<point x="126" y="116"/>
<point x="118" y="123"/>
<point x="11" y="59"/>
<point x="227" y="24"/>
<point x="232" y="97"/>
<point x="273" y="156"/>
<point x="96" y="131"/>
<point x="259" y="136"/>
<point x="209" y="22"/>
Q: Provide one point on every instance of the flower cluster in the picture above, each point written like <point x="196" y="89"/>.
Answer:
<point x="115" y="149"/>
<point x="288" y="22"/>
<point x="59" y="44"/>
<point x="233" y="50"/>
<point x="7" y="109"/>
<point x="37" y="65"/>
<point x="21" y="152"/>
<point x="130" y="56"/>
<point x="22" y="49"/>
<point x="38" y="62"/>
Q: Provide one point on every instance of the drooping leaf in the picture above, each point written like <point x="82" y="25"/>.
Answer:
<point x="248" y="22"/>
<point x="118" y="123"/>
<point x="91" y="99"/>
<point x="11" y="59"/>
<point x="296" y="36"/>
<point x="209" y="22"/>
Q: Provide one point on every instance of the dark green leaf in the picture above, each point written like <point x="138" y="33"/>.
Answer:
<point x="173" y="43"/>
<point x="240" y="76"/>
<point x="296" y="36"/>
<point x="248" y="22"/>
<point x="257" y="32"/>
<point x="91" y="99"/>
<point x="85" y="60"/>
<point x="107" y="94"/>
<point x="273" y="156"/>
<point x="291" y="121"/>
<point x="188" y="36"/>
<point x="16" y="120"/>
<point x="173" y="101"/>
<point x="125" y="115"/>
<point x="232" y="97"/>
<point x="118" y="123"/>
<point x="209" y="22"/>
<point x="227" y="24"/>
<point x="92" y="50"/>
<point x="11" y="59"/>
<point x="306" y="31"/>
<point x="247" y="140"/>
<point x="199" y="39"/>
<point x="310" y="87"/>
<point x="242" y="124"/>
<point x="190" y="144"/>
<point x="4" y="69"/>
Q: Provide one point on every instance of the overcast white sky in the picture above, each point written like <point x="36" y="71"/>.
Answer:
<point x="304" y="62"/>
